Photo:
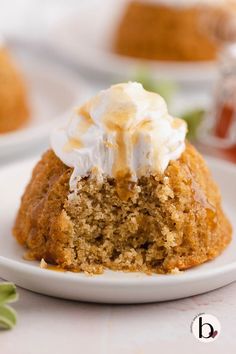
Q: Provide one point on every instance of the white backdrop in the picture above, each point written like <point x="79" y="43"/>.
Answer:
<point x="32" y="18"/>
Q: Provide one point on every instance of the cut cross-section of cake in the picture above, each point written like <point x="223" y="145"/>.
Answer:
<point x="122" y="189"/>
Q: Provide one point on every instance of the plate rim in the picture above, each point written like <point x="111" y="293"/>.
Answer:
<point x="133" y="278"/>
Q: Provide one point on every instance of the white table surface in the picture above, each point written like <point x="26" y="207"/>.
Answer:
<point x="49" y="325"/>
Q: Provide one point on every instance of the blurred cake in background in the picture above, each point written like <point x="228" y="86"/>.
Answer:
<point x="178" y="30"/>
<point x="14" y="110"/>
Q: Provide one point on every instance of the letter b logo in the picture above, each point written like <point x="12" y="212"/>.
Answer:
<point x="206" y="328"/>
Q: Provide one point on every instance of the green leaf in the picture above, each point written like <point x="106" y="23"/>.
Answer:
<point x="7" y="317"/>
<point x="164" y="88"/>
<point x="167" y="89"/>
<point x="8" y="293"/>
<point x="193" y="118"/>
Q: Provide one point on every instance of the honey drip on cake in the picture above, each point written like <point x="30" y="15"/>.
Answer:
<point x="200" y="197"/>
<point x="55" y="268"/>
<point x="115" y="120"/>
<point x="82" y="127"/>
<point x="73" y="144"/>
<point x="86" y="121"/>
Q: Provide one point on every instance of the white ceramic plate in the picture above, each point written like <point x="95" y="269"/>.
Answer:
<point x="110" y="287"/>
<point x="86" y="38"/>
<point x="52" y="90"/>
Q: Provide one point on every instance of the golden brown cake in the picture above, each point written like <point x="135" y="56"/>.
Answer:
<point x="160" y="222"/>
<point x="174" y="30"/>
<point x="14" y="111"/>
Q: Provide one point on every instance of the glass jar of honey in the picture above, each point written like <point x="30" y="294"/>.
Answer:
<point x="217" y="134"/>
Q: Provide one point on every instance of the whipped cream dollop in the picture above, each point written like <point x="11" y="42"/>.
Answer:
<point x="123" y="131"/>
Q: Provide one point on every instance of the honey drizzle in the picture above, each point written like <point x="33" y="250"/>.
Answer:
<point x="55" y="268"/>
<point x="125" y="140"/>
<point x="177" y="123"/>
<point x="115" y="121"/>
<point x="82" y="127"/>
<point x="72" y="144"/>
<point x="86" y="122"/>
<point x="121" y="170"/>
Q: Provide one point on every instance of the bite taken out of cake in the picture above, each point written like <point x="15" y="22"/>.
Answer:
<point x="122" y="189"/>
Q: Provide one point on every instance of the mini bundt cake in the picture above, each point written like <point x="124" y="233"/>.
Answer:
<point x="121" y="189"/>
<point x="14" y="111"/>
<point x="175" y="30"/>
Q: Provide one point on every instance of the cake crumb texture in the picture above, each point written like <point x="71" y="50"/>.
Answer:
<point x="171" y="222"/>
